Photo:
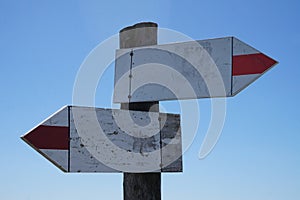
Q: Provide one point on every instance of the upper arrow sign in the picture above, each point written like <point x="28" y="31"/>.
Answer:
<point x="199" y="69"/>
<point x="82" y="139"/>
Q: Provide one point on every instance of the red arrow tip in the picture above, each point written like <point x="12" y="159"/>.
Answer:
<point x="251" y="64"/>
<point x="48" y="137"/>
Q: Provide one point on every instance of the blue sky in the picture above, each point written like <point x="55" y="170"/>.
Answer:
<point x="43" y="44"/>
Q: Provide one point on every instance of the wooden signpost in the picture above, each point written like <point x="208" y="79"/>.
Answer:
<point x="137" y="140"/>
<point x="138" y="186"/>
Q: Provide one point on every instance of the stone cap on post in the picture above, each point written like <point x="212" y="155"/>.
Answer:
<point x="141" y="34"/>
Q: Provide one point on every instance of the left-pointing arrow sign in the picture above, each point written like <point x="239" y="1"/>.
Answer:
<point x="83" y="139"/>
<point x="51" y="138"/>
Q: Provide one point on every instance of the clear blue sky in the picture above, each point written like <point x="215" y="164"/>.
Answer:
<point x="43" y="44"/>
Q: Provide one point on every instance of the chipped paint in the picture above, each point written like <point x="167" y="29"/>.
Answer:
<point x="188" y="70"/>
<point x="112" y="140"/>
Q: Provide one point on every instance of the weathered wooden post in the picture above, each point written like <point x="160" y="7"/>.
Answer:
<point x="137" y="186"/>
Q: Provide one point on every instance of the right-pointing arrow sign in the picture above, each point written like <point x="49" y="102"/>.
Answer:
<point x="198" y="69"/>
<point x="248" y="64"/>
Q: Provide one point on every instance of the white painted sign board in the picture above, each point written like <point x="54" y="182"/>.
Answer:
<point x="190" y="70"/>
<point x="83" y="139"/>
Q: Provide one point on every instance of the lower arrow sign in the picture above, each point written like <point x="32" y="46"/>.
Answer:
<point x="83" y="139"/>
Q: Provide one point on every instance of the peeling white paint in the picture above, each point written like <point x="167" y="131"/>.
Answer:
<point x="100" y="144"/>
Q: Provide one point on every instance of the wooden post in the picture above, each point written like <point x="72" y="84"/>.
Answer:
<point x="137" y="186"/>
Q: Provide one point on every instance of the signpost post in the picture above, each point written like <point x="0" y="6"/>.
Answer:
<point x="137" y="186"/>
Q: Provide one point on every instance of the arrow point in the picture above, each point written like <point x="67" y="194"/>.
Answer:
<point x="52" y="142"/>
<point x="266" y="61"/>
<point x="247" y="64"/>
<point x="48" y="137"/>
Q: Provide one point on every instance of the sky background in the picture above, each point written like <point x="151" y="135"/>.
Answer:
<point x="43" y="44"/>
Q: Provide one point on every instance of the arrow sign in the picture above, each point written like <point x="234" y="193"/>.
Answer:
<point x="83" y="139"/>
<point x="198" y="69"/>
